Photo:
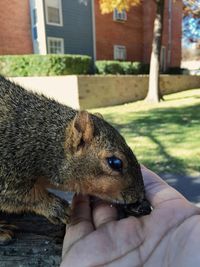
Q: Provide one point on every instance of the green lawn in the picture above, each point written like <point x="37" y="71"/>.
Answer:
<point x="165" y="137"/>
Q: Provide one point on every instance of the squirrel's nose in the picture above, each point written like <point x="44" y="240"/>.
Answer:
<point x="131" y="196"/>
<point x="140" y="208"/>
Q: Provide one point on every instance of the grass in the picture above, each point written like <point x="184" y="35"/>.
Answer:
<point x="166" y="136"/>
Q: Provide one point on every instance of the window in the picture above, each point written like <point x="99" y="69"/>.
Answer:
<point x="34" y="24"/>
<point x="35" y="33"/>
<point x="119" y="52"/>
<point x="53" y="10"/>
<point x="55" y="45"/>
<point x="119" y="16"/>
<point x="35" y="18"/>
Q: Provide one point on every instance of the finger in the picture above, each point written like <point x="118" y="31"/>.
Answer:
<point x="81" y="222"/>
<point x="103" y="213"/>
<point x="157" y="190"/>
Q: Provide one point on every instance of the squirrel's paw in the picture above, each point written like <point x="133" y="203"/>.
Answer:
<point x="59" y="212"/>
<point x="6" y="233"/>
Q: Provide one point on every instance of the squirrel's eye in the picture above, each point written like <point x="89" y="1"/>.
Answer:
<point x="115" y="163"/>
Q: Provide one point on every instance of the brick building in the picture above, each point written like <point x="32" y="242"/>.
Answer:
<point x="78" y="27"/>
<point x="134" y="33"/>
<point x="15" y="27"/>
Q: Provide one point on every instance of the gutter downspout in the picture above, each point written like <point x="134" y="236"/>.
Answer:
<point x="93" y="30"/>
<point x="169" y="33"/>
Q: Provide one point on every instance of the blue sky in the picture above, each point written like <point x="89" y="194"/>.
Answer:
<point x="191" y="30"/>
<point x="191" y="27"/>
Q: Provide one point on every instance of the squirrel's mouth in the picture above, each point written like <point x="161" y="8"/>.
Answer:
<point x="137" y="209"/>
<point x="130" y="205"/>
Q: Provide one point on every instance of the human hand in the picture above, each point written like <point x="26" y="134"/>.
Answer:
<point x="169" y="236"/>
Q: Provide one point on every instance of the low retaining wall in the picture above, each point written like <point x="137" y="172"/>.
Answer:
<point x="62" y="88"/>
<point x="99" y="91"/>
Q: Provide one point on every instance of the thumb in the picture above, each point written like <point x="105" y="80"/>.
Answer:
<point x="157" y="190"/>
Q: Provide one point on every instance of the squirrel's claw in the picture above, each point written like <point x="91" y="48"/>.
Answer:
<point x="6" y="234"/>
<point x="59" y="212"/>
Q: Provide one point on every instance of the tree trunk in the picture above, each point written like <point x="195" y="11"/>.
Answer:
<point x="154" y="95"/>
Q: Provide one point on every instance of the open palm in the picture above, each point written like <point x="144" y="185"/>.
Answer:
<point x="169" y="236"/>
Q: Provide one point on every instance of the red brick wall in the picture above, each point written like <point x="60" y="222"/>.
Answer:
<point x="110" y="33"/>
<point x="149" y="9"/>
<point x="176" y="31"/>
<point x="137" y="32"/>
<point x="15" y="27"/>
<point x="147" y="29"/>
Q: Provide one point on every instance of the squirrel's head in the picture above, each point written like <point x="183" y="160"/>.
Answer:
<point x="99" y="162"/>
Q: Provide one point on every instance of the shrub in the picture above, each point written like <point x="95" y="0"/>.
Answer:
<point x="127" y="67"/>
<point x="140" y="68"/>
<point x="44" y="65"/>
<point x="109" y="67"/>
<point x="176" y="70"/>
<point x="118" y="67"/>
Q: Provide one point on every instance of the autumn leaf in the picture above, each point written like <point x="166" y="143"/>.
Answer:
<point x="107" y="6"/>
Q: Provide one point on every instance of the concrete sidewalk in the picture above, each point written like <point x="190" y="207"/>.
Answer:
<point x="189" y="186"/>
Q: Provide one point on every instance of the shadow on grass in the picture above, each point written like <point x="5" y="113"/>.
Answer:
<point x="158" y="125"/>
<point x="169" y="122"/>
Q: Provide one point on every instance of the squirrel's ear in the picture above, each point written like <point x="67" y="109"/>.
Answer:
<point x="99" y="115"/>
<point x="82" y="129"/>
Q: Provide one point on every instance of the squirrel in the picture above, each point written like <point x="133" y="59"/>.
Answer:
<point x="45" y="144"/>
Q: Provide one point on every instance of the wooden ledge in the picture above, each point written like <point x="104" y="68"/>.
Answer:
<point x="37" y="242"/>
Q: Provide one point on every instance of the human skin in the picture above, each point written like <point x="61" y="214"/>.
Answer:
<point x="169" y="236"/>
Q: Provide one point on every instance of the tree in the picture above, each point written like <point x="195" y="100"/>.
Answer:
<point x="191" y="8"/>
<point x="154" y="94"/>
<point x="108" y="6"/>
<point x="191" y="21"/>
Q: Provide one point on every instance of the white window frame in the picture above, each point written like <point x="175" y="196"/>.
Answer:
<point x="116" y="47"/>
<point x="55" y="39"/>
<point x="119" y="16"/>
<point x="60" y="14"/>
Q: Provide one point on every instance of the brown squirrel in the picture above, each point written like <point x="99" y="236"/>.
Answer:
<point x="44" y="143"/>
